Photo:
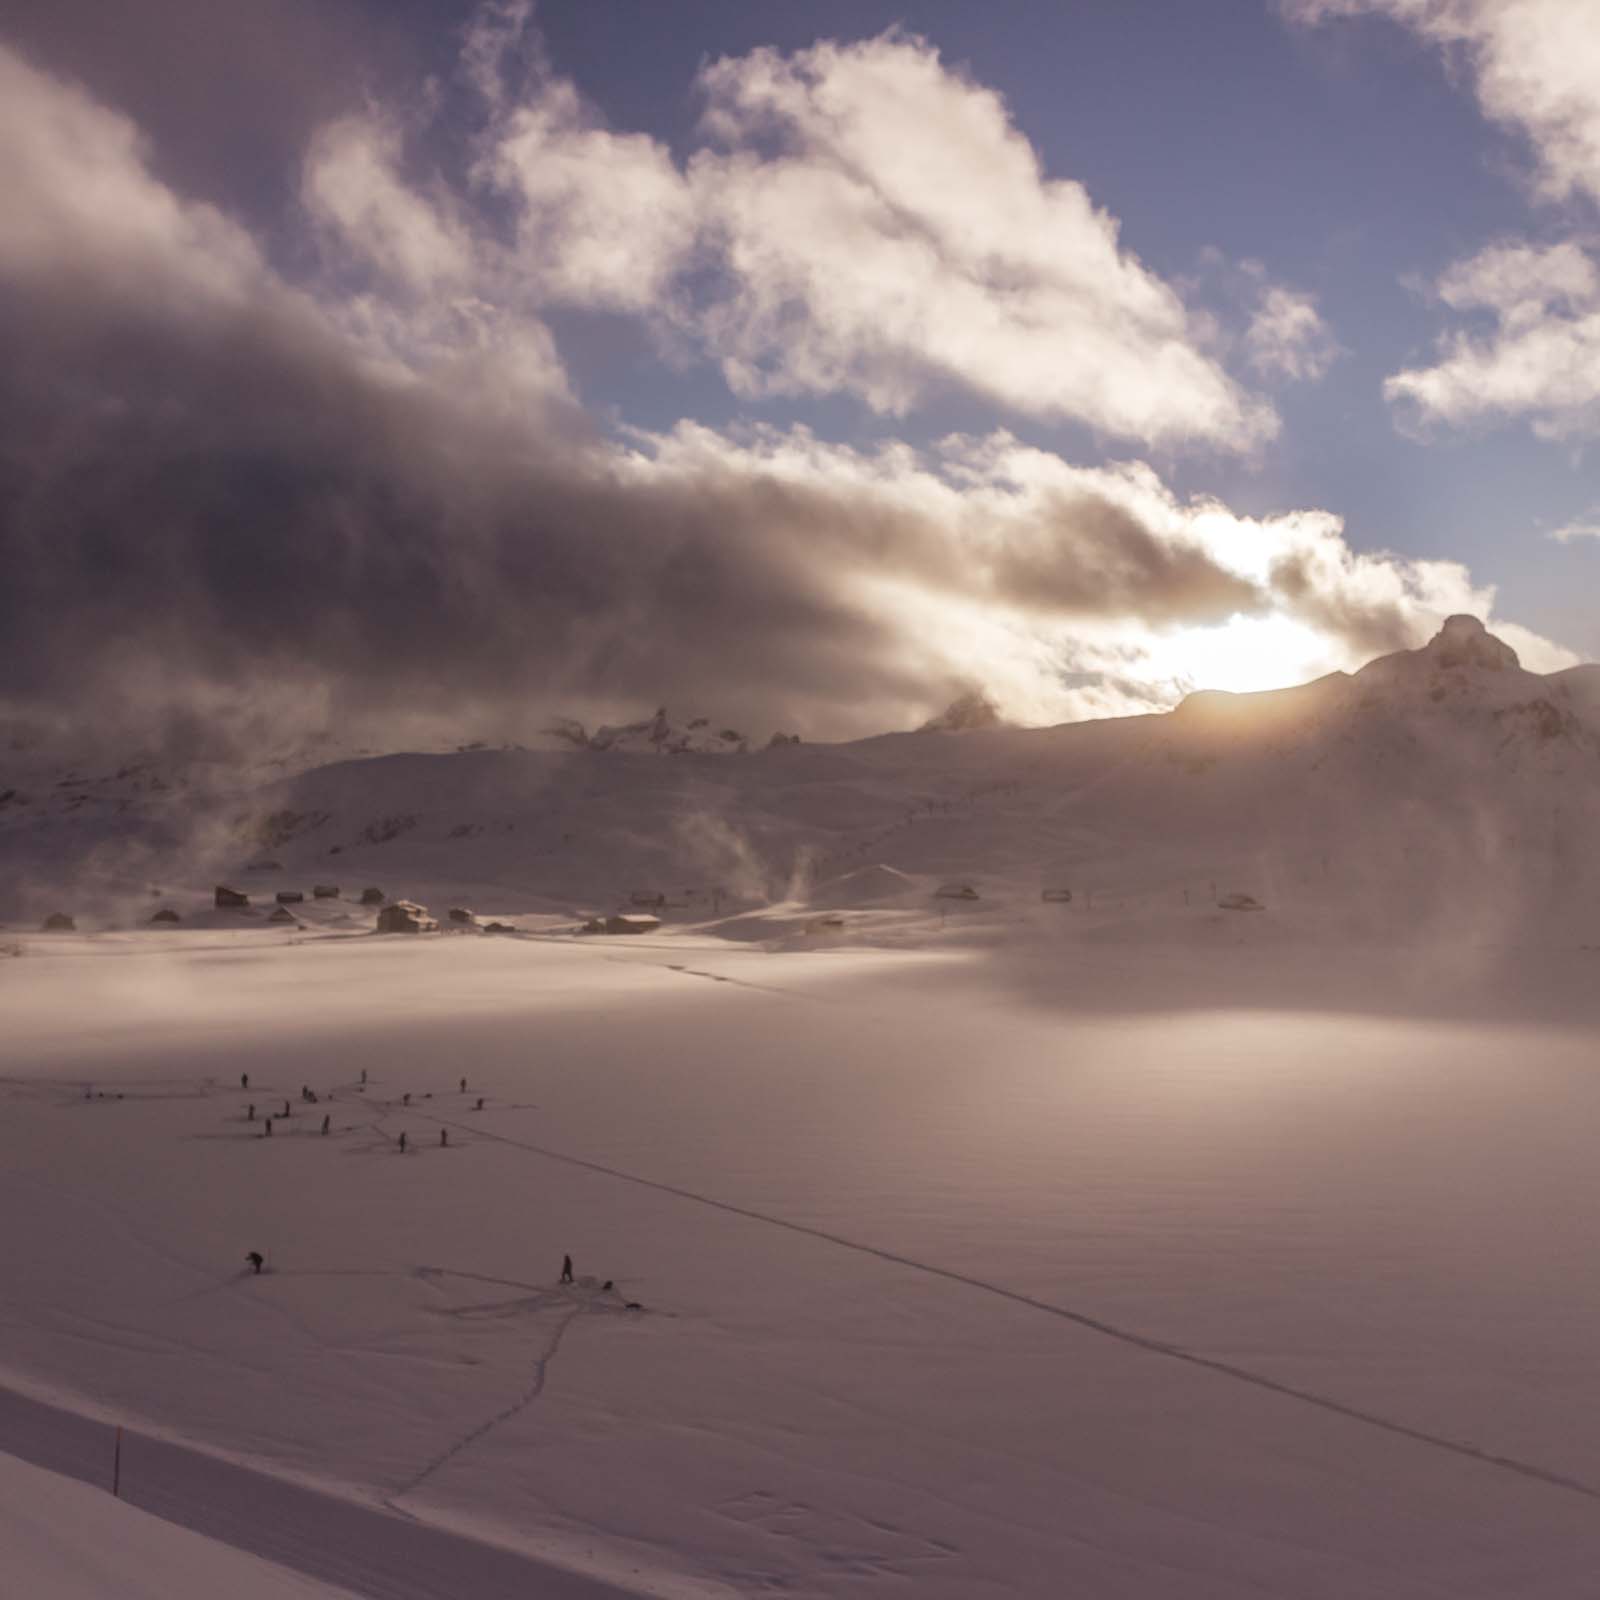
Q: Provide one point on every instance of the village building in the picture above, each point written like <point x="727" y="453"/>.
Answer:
<point x="406" y="916"/>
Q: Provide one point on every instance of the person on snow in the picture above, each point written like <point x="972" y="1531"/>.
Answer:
<point x="266" y="1132"/>
<point x="256" y="1260"/>
<point x="566" y="1269"/>
<point x="444" y="1138"/>
<point x="250" y="1114"/>
<point x="327" y="1122"/>
<point x="244" y="1080"/>
<point x="402" y="1144"/>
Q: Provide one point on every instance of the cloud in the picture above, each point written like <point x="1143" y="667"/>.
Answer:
<point x="1535" y="65"/>
<point x="370" y="492"/>
<point x="352" y="185"/>
<point x="1539" y="360"/>
<point x="1571" y="532"/>
<point x="862" y="219"/>
<point x="1287" y="338"/>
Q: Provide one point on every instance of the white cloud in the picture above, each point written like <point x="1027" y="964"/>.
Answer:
<point x="1287" y="338"/>
<point x="79" y="197"/>
<point x="441" y="294"/>
<point x="1535" y="64"/>
<point x="353" y="186"/>
<point x="862" y="219"/>
<point x="1541" y="358"/>
<point x="606" y="219"/>
<point x="1522" y="282"/>
<point x="1581" y="528"/>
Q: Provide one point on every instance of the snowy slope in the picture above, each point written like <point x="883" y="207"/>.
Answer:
<point x="1005" y="1273"/>
<point x="1124" y="1245"/>
<point x="62" y="1540"/>
<point x="1443" y="792"/>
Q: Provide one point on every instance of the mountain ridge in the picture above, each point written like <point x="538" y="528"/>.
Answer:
<point x="1416" y="792"/>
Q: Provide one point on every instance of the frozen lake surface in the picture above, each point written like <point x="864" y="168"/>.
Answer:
<point x="968" y="1273"/>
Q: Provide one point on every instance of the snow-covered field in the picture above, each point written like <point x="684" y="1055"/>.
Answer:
<point x="1224" y="1229"/>
<point x="1017" y="1268"/>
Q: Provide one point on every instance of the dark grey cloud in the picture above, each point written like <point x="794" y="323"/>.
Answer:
<point x="232" y="499"/>
<point x="220" y="489"/>
<point x="1097" y="557"/>
<point x="227" y="91"/>
<point x="1373" y="625"/>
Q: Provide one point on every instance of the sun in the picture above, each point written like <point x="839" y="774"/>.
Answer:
<point x="1246" y="654"/>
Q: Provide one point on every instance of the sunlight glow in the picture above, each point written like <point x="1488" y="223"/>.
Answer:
<point x="1247" y="654"/>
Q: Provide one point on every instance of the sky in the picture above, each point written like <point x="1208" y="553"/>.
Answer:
<point x="803" y="366"/>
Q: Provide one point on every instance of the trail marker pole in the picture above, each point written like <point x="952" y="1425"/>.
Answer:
<point x="116" y="1466"/>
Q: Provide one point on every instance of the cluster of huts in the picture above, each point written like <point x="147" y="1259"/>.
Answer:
<point x="394" y="916"/>
<point x="622" y="922"/>
<point x="230" y="899"/>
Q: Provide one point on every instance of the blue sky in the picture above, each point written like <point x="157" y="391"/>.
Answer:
<point x="1344" y="158"/>
<point x="822" y="359"/>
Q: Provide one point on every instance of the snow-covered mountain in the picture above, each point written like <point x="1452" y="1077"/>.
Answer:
<point x="1444" y="788"/>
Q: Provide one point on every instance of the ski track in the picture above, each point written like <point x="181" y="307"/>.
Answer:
<point x="541" y="1369"/>
<point x="1082" y="1319"/>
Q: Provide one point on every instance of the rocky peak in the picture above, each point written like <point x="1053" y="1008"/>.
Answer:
<point x="1463" y="641"/>
<point x="974" y="709"/>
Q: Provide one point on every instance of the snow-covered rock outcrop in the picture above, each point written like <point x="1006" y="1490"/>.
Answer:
<point x="974" y="709"/>
<point x="658" y="735"/>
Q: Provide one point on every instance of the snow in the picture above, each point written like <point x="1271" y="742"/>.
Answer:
<point x="986" y="1273"/>
<point x="1428" y="796"/>
<point x="65" y="1541"/>
<point x="1121" y="1246"/>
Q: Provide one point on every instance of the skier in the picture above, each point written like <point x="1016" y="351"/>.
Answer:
<point x="326" y="1121"/>
<point x="463" y="1086"/>
<point x="480" y="1102"/>
<point x="566" y="1269"/>
<point x="286" y="1108"/>
<point x="405" y="1099"/>
<point x="244" y="1080"/>
<point x="256" y="1260"/>
<point x="250" y="1114"/>
<point x="444" y="1138"/>
<point x="363" y="1074"/>
<point x="266" y="1132"/>
<point x="402" y="1144"/>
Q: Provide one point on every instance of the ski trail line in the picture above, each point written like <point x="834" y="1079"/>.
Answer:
<point x="541" y="1370"/>
<point x="1109" y="1330"/>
